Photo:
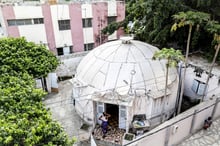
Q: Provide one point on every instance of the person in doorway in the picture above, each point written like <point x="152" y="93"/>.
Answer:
<point x="104" y="118"/>
<point x="207" y="123"/>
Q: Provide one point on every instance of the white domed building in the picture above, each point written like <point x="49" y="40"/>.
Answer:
<point x="120" y="78"/>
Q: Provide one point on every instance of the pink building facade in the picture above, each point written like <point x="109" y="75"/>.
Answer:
<point x="63" y="28"/>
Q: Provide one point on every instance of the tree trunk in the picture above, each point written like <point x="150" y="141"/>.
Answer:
<point x="184" y="75"/>
<point x="165" y="92"/>
<point x="210" y="71"/>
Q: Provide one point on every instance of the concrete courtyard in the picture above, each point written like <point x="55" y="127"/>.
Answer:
<point x="62" y="109"/>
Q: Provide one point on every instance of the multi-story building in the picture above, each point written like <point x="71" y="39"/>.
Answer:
<point x="64" y="27"/>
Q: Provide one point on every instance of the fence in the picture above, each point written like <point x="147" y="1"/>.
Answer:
<point x="177" y="129"/>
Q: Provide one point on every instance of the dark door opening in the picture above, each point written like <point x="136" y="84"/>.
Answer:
<point x="113" y="110"/>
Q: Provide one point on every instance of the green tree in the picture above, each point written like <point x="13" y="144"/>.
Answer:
<point x="214" y="28"/>
<point x="151" y="18"/>
<point x="208" y="6"/>
<point x="191" y="19"/>
<point x="24" y="120"/>
<point x="18" y="55"/>
<point x="173" y="57"/>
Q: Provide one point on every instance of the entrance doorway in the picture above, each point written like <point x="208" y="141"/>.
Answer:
<point x="113" y="110"/>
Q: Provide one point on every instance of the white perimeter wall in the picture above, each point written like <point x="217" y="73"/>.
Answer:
<point x="177" y="129"/>
<point x="213" y="85"/>
<point x="69" y="64"/>
<point x="35" y="32"/>
<point x="63" y="37"/>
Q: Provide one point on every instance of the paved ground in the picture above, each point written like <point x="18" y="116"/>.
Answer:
<point x="209" y="137"/>
<point x="63" y="111"/>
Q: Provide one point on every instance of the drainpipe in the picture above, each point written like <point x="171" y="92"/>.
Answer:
<point x="179" y="88"/>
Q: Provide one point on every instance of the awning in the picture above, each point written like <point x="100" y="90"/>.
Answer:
<point x="113" y="98"/>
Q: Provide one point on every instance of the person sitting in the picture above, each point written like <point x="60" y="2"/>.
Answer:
<point x="207" y="123"/>
<point x="104" y="125"/>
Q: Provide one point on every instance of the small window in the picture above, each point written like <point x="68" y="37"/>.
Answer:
<point x="11" y="22"/>
<point x="100" y="109"/>
<point x="27" y="21"/>
<point x="64" y="50"/>
<point x="122" y="113"/>
<point x="111" y="19"/>
<point x="20" y="22"/>
<point x="60" y="51"/>
<point x="23" y="22"/>
<point x="87" y="22"/>
<point x="38" y="21"/>
<point x="198" y="87"/>
<point x="64" y="24"/>
<point x="88" y="47"/>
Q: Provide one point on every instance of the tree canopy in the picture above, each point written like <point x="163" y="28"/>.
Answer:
<point x="24" y="120"/>
<point x="152" y="21"/>
<point x="173" y="57"/>
<point x="17" y="55"/>
<point x="170" y="54"/>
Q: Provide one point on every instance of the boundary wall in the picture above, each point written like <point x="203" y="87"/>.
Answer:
<point x="179" y="128"/>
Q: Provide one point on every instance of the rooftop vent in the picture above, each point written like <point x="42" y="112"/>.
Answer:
<point x="126" y="40"/>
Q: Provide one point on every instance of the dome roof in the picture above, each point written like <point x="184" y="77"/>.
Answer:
<point x="123" y="65"/>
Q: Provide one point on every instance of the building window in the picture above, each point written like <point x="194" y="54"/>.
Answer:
<point x="123" y="111"/>
<point x="11" y="22"/>
<point x="64" y="24"/>
<point x="88" y="47"/>
<point x="198" y="87"/>
<point x="38" y="21"/>
<point x="64" y="50"/>
<point x="111" y="19"/>
<point x="18" y="22"/>
<point x="87" y="22"/>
